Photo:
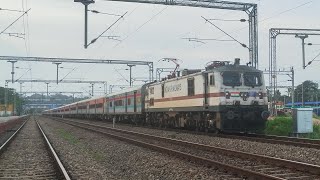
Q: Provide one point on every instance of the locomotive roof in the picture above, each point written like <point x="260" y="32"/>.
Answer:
<point x="236" y="68"/>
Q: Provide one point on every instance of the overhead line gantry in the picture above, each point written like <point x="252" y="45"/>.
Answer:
<point x="58" y="61"/>
<point x="250" y="8"/>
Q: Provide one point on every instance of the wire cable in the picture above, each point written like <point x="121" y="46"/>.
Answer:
<point x="243" y="45"/>
<point x="95" y="39"/>
<point x="154" y="16"/>
<point x="12" y="10"/>
<point x="14" y="21"/>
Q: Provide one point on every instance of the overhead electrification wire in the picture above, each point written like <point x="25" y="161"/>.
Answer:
<point x="154" y="16"/>
<point x="14" y="21"/>
<point x="13" y="10"/>
<point x="98" y="12"/>
<point x="206" y="39"/>
<point x="67" y="74"/>
<point x="95" y="39"/>
<point x="309" y="63"/>
<point x="242" y="44"/>
<point x="280" y="13"/>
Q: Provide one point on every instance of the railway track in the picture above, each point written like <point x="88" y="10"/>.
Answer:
<point x="293" y="141"/>
<point x="301" y="142"/>
<point x="28" y="154"/>
<point x="244" y="164"/>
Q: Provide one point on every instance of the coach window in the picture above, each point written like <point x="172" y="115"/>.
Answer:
<point x="190" y="87"/>
<point x="110" y="104"/>
<point x="129" y="101"/>
<point x="212" y="83"/>
<point x="162" y="90"/>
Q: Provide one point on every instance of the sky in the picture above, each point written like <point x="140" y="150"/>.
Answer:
<point x="55" y="28"/>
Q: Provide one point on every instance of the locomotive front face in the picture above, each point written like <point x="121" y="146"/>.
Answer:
<point x="243" y="106"/>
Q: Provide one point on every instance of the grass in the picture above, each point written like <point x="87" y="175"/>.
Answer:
<point x="67" y="136"/>
<point x="316" y="117"/>
<point x="73" y="140"/>
<point x="283" y="126"/>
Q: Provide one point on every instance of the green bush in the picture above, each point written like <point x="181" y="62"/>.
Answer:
<point x="281" y="126"/>
<point x="315" y="134"/>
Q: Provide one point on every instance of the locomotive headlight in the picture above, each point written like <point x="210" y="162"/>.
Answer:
<point x="260" y="95"/>
<point x="228" y="95"/>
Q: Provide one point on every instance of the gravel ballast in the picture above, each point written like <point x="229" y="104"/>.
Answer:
<point x="89" y="155"/>
<point x="307" y="155"/>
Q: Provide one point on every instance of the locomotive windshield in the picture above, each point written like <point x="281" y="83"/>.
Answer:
<point x="231" y="79"/>
<point x="252" y="79"/>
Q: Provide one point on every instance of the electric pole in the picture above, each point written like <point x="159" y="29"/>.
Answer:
<point x="303" y="37"/>
<point x="12" y="71"/>
<point x="130" y="67"/>
<point x="57" y="63"/>
<point x="85" y="3"/>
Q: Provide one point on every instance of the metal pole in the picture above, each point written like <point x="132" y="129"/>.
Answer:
<point x="303" y="37"/>
<point x="47" y="90"/>
<point x="130" y="81"/>
<point x="303" y="54"/>
<point x="85" y="25"/>
<point x="12" y="71"/>
<point x="5" y="98"/>
<point x="57" y="63"/>
<point x="92" y="90"/>
<point x="302" y="96"/>
<point x="292" y="91"/>
<point x="130" y="76"/>
<point x="14" y="102"/>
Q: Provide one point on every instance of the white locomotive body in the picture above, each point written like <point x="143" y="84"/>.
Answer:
<point x="227" y="97"/>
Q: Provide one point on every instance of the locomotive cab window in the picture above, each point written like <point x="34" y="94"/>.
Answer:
<point x="190" y="87"/>
<point x="212" y="83"/>
<point x="252" y="79"/>
<point x="231" y="79"/>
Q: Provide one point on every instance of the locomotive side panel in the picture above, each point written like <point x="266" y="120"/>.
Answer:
<point x="180" y="94"/>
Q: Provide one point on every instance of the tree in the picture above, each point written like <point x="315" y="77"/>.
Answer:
<point x="12" y="98"/>
<point x="308" y="90"/>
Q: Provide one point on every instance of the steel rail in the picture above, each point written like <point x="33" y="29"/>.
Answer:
<point x="301" y="142"/>
<point x="198" y="159"/>
<point x="6" y="144"/>
<point x="305" y="167"/>
<point x="54" y="154"/>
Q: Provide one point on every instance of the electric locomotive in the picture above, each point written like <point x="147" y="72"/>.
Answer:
<point x="224" y="97"/>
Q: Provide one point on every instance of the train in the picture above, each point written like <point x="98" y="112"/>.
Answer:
<point x="223" y="97"/>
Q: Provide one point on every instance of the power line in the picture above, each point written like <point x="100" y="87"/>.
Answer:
<point x="154" y="16"/>
<point x="14" y="21"/>
<point x="98" y="12"/>
<point x="309" y="63"/>
<point x="242" y="44"/>
<point x="233" y="20"/>
<point x="95" y="39"/>
<point x="265" y="19"/>
<point x="206" y="39"/>
<point x="12" y="10"/>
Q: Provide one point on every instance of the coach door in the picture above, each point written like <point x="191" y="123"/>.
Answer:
<point x="135" y="101"/>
